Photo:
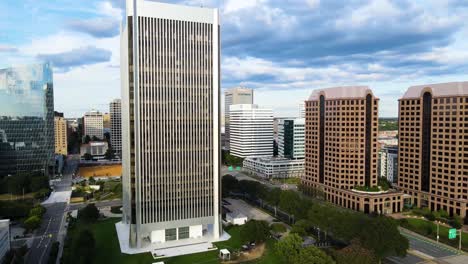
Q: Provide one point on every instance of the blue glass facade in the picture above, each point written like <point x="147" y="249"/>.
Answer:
<point x="26" y="119"/>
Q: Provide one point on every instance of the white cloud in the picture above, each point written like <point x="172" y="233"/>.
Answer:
<point x="313" y="3"/>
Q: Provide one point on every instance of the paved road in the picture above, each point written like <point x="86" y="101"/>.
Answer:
<point x="98" y="204"/>
<point x="242" y="176"/>
<point x="52" y="226"/>
<point x="46" y="234"/>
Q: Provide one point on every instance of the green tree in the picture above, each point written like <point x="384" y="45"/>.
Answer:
<point x="355" y="254"/>
<point x="273" y="196"/>
<point x="92" y="180"/>
<point x="110" y="154"/>
<point x="83" y="248"/>
<point x="301" y="227"/>
<point x="39" y="182"/>
<point x="313" y="255"/>
<point x="38" y="211"/>
<point x="291" y="202"/>
<point x="87" y="156"/>
<point x="383" y="238"/>
<point x="288" y="248"/>
<point x="94" y="138"/>
<point x="86" y="139"/>
<point x="229" y="183"/>
<point x="254" y="230"/>
<point x="32" y="222"/>
<point x="89" y="214"/>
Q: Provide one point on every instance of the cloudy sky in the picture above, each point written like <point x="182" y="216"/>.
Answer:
<point x="282" y="48"/>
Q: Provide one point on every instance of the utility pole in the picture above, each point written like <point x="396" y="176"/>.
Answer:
<point x="460" y="240"/>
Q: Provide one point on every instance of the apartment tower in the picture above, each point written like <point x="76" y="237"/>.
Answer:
<point x="433" y="149"/>
<point x="115" y="111"/>
<point x="170" y="125"/>
<point x="238" y="95"/>
<point x="60" y="126"/>
<point x="341" y="149"/>
<point x="251" y="130"/>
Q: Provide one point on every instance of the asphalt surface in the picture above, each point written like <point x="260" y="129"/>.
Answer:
<point x="53" y="220"/>
<point x="73" y="207"/>
<point x="46" y="234"/>
<point x="423" y="250"/>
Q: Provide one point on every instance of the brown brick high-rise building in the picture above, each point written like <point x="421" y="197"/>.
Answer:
<point x="433" y="150"/>
<point x="341" y="150"/>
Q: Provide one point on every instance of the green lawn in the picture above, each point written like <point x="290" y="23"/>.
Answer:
<point x="429" y="229"/>
<point x="108" y="249"/>
<point x="293" y="180"/>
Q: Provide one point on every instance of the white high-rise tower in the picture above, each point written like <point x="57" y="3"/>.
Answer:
<point x="170" y="126"/>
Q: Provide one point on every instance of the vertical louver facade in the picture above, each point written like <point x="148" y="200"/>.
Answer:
<point x="170" y="112"/>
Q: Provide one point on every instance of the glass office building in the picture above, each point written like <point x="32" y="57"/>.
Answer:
<point x="26" y="119"/>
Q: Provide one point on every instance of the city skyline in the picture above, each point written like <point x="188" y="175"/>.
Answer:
<point x="86" y="47"/>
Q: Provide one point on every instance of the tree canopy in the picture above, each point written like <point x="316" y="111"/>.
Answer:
<point x="89" y="214"/>
<point x="255" y="230"/>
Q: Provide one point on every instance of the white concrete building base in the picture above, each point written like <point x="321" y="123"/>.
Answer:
<point x="170" y="248"/>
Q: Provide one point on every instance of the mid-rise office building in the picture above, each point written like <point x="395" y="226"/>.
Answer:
<point x="4" y="237"/>
<point x="94" y="124"/>
<point x="433" y="149"/>
<point x="291" y="138"/>
<point x="26" y="120"/>
<point x="170" y="127"/>
<point x="116" y="126"/>
<point x="341" y="150"/>
<point x="388" y="163"/>
<point x="60" y="125"/>
<point x="274" y="167"/>
<point x="238" y="95"/>
<point x="97" y="149"/>
<point x="251" y="130"/>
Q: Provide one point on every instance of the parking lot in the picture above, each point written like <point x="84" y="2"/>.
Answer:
<point x="246" y="209"/>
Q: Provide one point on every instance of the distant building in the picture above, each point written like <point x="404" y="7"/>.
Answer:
<point x="388" y="163"/>
<point x="234" y="96"/>
<point x="251" y="130"/>
<point x="4" y="237"/>
<point x="60" y="125"/>
<point x="106" y="121"/>
<point x="341" y="150"/>
<point x="26" y="120"/>
<point x="94" y="124"/>
<point x="302" y="110"/>
<point x="116" y="126"/>
<point x="274" y="168"/>
<point x="97" y="149"/>
<point x="433" y="149"/>
<point x="291" y="138"/>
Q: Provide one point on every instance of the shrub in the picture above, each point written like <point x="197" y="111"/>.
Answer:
<point x="38" y="211"/>
<point x="278" y="228"/>
<point x="430" y="216"/>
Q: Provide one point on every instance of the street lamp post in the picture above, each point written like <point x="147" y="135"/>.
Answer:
<point x="459" y="241"/>
<point x="437" y="231"/>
